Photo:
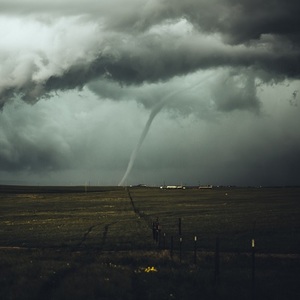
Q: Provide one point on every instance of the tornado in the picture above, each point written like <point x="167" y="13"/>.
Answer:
<point x="155" y="110"/>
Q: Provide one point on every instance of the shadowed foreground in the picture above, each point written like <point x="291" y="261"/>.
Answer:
<point x="98" y="244"/>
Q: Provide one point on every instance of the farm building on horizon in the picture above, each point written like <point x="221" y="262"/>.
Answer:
<point x="172" y="187"/>
<point x="206" y="186"/>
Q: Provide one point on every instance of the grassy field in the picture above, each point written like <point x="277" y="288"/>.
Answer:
<point x="97" y="243"/>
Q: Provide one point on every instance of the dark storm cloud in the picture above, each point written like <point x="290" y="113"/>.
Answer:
<point x="154" y="59"/>
<point x="133" y="45"/>
<point x="234" y="90"/>
<point x="25" y="141"/>
<point x="242" y="21"/>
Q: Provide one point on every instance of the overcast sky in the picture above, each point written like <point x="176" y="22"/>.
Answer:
<point x="219" y="79"/>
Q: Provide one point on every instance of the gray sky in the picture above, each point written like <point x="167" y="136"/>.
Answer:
<point x="79" y="80"/>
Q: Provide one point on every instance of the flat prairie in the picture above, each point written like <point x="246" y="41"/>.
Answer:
<point x="99" y="243"/>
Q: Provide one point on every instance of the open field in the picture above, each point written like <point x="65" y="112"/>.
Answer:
<point x="97" y="243"/>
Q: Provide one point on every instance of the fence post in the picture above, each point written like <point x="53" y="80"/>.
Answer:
<point x="217" y="261"/>
<point x="180" y="249"/>
<point x="153" y="231"/>
<point x="158" y="238"/>
<point x="253" y="269"/>
<point x="195" y="249"/>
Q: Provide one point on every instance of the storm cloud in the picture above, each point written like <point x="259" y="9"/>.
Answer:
<point x="51" y="46"/>
<point x="62" y="60"/>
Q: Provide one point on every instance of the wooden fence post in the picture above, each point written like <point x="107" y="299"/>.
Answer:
<point x="180" y="249"/>
<point x="195" y="249"/>
<point x="253" y="269"/>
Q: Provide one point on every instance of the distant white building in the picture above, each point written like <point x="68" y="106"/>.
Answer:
<point x="173" y="187"/>
<point x="206" y="186"/>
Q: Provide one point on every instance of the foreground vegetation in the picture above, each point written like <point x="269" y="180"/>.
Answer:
<point x="97" y="243"/>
